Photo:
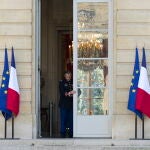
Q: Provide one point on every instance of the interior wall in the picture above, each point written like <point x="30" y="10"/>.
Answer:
<point x="56" y="17"/>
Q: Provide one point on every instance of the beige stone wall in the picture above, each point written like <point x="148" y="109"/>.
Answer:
<point x="131" y="27"/>
<point x="16" y="29"/>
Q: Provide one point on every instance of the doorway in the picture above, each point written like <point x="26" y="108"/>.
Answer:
<point x="56" y="57"/>
<point x="90" y="59"/>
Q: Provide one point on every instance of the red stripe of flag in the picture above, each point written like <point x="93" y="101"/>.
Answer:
<point x="143" y="102"/>
<point x="13" y="101"/>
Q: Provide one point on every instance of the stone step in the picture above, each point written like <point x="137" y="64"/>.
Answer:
<point x="74" y="144"/>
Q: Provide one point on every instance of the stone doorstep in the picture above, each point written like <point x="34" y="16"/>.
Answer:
<point x="76" y="142"/>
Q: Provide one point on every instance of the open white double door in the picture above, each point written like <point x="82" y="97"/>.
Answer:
<point x="92" y="68"/>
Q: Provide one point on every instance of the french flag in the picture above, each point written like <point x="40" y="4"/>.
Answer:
<point x="143" y="91"/>
<point x="13" y="95"/>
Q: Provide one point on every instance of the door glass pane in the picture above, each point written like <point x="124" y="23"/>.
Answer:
<point x="92" y="101"/>
<point x="92" y="58"/>
<point x="92" y="30"/>
<point x="92" y="15"/>
<point x="92" y="73"/>
<point x="93" y="44"/>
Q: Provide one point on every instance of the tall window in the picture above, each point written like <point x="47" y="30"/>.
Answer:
<point x="92" y="59"/>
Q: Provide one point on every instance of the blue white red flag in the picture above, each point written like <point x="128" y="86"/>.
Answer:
<point x="143" y="91"/>
<point x="13" y="96"/>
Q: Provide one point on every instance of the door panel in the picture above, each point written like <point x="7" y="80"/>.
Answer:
<point x="92" y="117"/>
<point x="93" y="126"/>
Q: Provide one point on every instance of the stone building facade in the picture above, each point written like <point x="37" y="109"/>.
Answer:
<point x="18" y="27"/>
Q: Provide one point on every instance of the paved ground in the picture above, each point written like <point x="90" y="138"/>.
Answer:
<point x="74" y="144"/>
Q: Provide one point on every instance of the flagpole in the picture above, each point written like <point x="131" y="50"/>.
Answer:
<point x="5" y="126"/>
<point x="143" y="128"/>
<point x="135" y="126"/>
<point x="12" y="126"/>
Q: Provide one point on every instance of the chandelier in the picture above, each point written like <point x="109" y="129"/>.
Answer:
<point x="90" y="49"/>
<point x="90" y="45"/>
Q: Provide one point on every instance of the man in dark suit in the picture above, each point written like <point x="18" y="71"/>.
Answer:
<point x="66" y="105"/>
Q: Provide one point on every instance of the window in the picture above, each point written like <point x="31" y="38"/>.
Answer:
<point x="92" y="59"/>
